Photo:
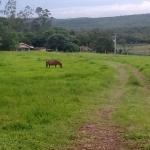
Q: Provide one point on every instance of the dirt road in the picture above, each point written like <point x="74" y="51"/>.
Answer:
<point x="106" y="135"/>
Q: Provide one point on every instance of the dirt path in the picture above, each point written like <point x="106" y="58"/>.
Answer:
<point x="106" y="135"/>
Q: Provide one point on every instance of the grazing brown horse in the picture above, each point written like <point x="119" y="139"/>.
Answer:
<point x="53" y="63"/>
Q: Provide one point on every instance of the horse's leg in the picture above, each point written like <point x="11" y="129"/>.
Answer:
<point x="55" y="66"/>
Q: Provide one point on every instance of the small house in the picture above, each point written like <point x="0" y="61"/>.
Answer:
<point x="24" y="47"/>
<point x="85" y="49"/>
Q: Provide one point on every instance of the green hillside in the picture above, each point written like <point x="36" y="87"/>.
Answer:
<point x="141" y="20"/>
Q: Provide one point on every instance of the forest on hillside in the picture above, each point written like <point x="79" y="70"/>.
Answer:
<point x="40" y="31"/>
<point x="127" y="21"/>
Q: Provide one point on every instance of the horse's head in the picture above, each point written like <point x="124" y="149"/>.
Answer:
<point x="46" y="64"/>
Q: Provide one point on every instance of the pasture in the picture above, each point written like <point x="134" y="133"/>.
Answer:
<point x="138" y="49"/>
<point x="41" y="108"/>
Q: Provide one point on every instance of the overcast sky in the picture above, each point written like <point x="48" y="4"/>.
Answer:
<point x="87" y="8"/>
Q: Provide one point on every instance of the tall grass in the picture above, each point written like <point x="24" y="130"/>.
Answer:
<point x="41" y="107"/>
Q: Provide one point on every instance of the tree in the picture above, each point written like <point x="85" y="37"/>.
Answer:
<point x="94" y="36"/>
<point x="0" y="4"/>
<point x="72" y="32"/>
<point x="48" y="32"/>
<point x="43" y="17"/>
<point x="104" y="44"/>
<point x="42" y="21"/>
<point x="10" y="9"/>
<point x="10" y="38"/>
<point x="26" y="15"/>
<point x="4" y="22"/>
<point x="83" y="38"/>
<point x="126" y="47"/>
<point x="0" y="40"/>
<point x="10" y="13"/>
<point x="26" y="37"/>
<point x="39" y="41"/>
<point x="57" y="41"/>
<point x="35" y="25"/>
<point x="73" y="47"/>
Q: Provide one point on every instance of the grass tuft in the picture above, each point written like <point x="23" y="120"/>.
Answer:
<point x="133" y="81"/>
<point x="17" y="126"/>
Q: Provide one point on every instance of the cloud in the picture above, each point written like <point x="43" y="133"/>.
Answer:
<point x="102" y="11"/>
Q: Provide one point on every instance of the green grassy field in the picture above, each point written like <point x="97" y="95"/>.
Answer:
<point x="41" y="108"/>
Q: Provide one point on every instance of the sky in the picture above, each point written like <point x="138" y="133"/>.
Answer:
<point x="62" y="9"/>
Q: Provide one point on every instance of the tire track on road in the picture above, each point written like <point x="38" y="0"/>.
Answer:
<point x="106" y="135"/>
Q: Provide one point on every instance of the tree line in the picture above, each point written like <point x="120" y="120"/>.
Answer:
<point x="127" y="21"/>
<point x="34" y="27"/>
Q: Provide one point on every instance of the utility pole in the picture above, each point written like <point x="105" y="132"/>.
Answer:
<point x="115" y="38"/>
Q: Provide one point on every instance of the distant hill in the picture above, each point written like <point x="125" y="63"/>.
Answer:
<point x="142" y="20"/>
